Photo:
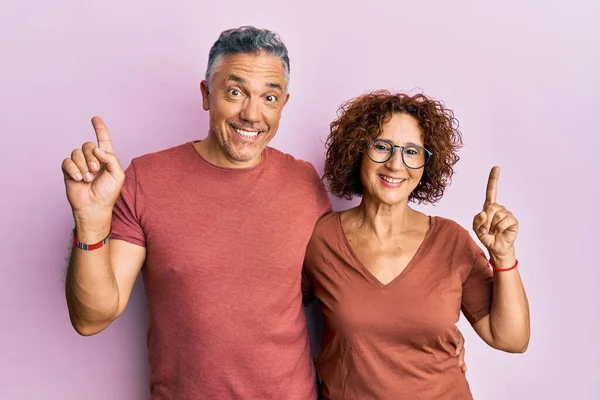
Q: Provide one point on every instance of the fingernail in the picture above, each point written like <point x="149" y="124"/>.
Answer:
<point x="93" y="166"/>
<point x="89" y="176"/>
<point x="78" y="176"/>
<point x="99" y="150"/>
<point x="483" y="230"/>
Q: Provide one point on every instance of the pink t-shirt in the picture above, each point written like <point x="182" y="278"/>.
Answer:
<point x="225" y="249"/>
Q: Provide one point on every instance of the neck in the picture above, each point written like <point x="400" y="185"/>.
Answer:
<point x="211" y="150"/>
<point x="383" y="219"/>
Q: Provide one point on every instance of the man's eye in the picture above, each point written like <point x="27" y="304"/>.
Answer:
<point x="234" y="92"/>
<point x="271" y="98"/>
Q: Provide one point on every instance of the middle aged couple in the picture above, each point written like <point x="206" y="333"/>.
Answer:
<point x="233" y="236"/>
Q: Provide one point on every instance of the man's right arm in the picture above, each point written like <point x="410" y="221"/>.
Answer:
<point x="99" y="281"/>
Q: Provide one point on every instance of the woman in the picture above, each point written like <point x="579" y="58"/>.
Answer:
<point x="391" y="280"/>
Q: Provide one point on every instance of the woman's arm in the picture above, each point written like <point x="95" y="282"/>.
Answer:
<point x="507" y="326"/>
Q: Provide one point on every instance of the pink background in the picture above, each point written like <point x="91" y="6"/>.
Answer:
<point x="521" y="76"/>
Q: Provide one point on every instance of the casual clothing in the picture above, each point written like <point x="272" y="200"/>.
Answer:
<point x="396" y="341"/>
<point x="223" y="272"/>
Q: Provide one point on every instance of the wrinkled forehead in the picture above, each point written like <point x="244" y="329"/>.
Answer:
<point x="251" y="69"/>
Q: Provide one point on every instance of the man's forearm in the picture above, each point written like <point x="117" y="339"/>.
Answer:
<point x="91" y="288"/>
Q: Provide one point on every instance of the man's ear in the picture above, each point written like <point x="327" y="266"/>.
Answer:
<point x="287" y="97"/>
<point x="205" y="95"/>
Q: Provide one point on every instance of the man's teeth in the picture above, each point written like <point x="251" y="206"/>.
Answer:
<point x="391" y="180"/>
<point x="247" y="134"/>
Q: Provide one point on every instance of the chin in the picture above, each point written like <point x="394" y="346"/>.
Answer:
<point x="243" y="152"/>
<point x="391" y="200"/>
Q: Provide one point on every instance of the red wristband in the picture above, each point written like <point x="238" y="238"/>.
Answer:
<point x="89" y="247"/>
<point x="503" y="269"/>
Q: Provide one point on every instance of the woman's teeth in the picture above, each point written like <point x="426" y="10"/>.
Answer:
<point x="391" y="180"/>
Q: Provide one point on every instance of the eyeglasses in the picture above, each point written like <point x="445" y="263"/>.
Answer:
<point x="413" y="156"/>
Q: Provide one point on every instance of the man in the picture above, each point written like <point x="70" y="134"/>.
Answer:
<point x="218" y="229"/>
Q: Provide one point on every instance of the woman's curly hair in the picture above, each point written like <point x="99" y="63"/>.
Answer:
<point x="360" y="120"/>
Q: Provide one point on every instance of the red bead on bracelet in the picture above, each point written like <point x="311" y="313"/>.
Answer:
<point x="88" y="247"/>
<point x="503" y="269"/>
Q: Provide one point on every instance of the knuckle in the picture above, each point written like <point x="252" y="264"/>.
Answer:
<point x="76" y="153"/>
<point x="494" y="209"/>
<point x="68" y="165"/>
<point x="88" y="146"/>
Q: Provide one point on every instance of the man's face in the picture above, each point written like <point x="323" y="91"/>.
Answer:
<point x="246" y="97"/>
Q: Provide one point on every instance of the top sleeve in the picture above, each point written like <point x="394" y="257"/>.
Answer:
<point x="478" y="287"/>
<point x="125" y="221"/>
<point x="322" y="199"/>
<point x="323" y="207"/>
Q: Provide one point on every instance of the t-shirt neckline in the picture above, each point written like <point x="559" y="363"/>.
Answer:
<point x="227" y="169"/>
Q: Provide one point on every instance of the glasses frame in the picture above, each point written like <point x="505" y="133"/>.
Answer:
<point x="402" y="149"/>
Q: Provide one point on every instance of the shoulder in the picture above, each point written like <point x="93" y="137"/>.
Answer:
<point x="328" y="222"/>
<point x="326" y="229"/>
<point x="448" y="226"/>
<point x="290" y="163"/>
<point x="452" y="235"/>
<point x="163" y="163"/>
<point x="325" y="234"/>
<point x="299" y="175"/>
<point x="158" y="159"/>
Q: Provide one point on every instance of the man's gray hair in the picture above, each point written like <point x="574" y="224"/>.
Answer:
<point x="247" y="39"/>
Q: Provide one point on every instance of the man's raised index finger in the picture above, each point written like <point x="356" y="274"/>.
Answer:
<point x="102" y="135"/>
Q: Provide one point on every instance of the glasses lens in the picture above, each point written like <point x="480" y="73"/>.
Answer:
<point x="380" y="151"/>
<point x="414" y="156"/>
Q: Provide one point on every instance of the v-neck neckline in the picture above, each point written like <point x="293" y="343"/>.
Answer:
<point x="413" y="261"/>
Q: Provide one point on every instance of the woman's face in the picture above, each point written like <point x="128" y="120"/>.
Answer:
<point x="391" y="182"/>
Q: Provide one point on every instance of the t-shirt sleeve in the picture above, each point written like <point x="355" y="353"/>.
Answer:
<point x="478" y="287"/>
<point x="125" y="221"/>
<point x="322" y="199"/>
